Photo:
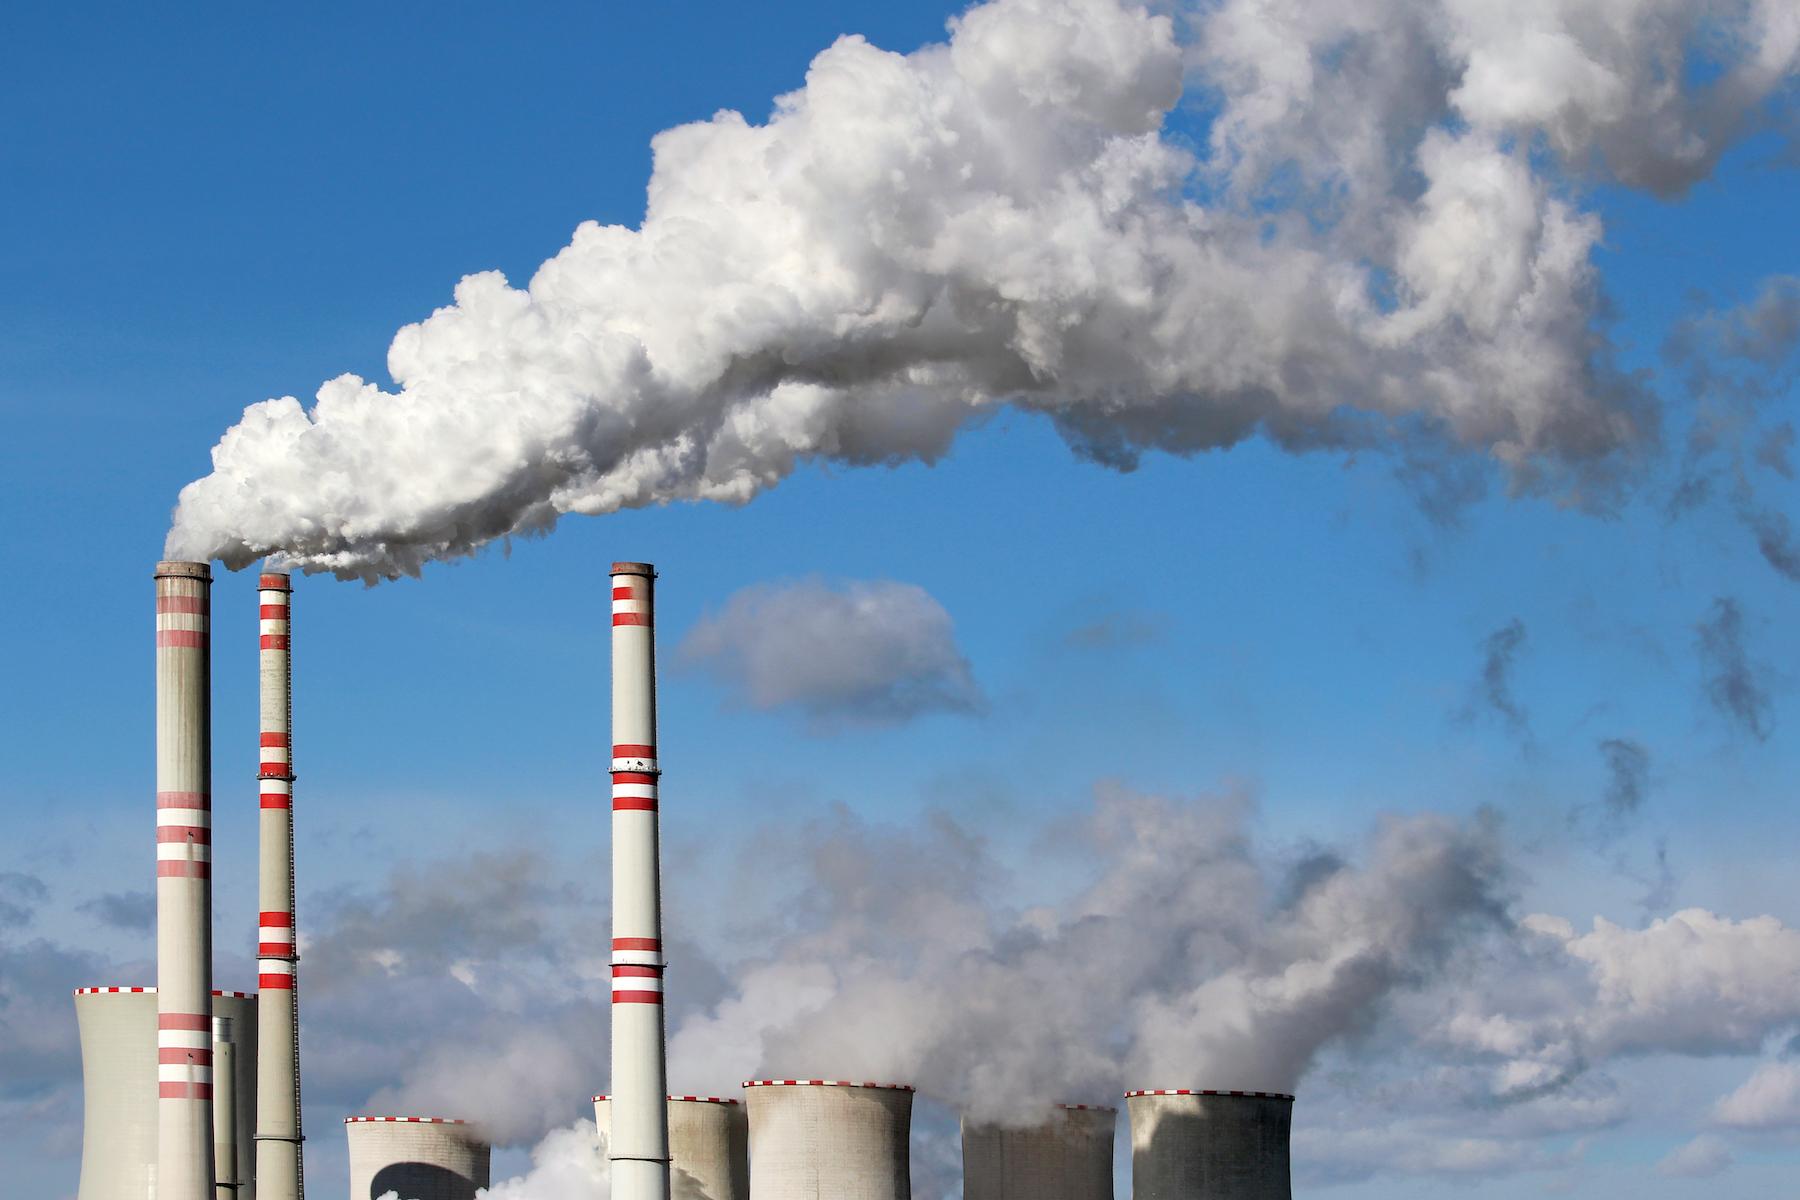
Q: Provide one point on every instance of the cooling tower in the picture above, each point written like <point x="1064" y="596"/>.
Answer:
<point x="277" y="1129"/>
<point x="184" y="1124"/>
<point x="818" y="1139"/>
<point x="119" y="1081"/>
<point x="1202" y="1145"/>
<point x="708" y="1146"/>
<point x="1068" y="1157"/>
<point x="421" y="1158"/>
<point x="639" y="1143"/>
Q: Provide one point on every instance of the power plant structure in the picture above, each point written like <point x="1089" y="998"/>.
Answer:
<point x="119" y="1075"/>
<point x="277" y="1124"/>
<point x="1210" y="1145"/>
<point x="417" y="1158"/>
<point x="813" y="1139"/>
<point x="708" y="1146"/>
<point x="194" y="1094"/>
<point x="1068" y="1157"/>
<point x="638" y="1142"/>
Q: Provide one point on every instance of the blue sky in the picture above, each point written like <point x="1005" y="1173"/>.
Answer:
<point x="213" y="208"/>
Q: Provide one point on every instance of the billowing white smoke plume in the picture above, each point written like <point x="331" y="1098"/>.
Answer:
<point x="1372" y="240"/>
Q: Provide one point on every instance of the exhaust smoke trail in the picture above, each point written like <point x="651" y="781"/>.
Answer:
<point x="1372" y="247"/>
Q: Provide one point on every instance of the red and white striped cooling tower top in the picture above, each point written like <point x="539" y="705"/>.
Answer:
<point x="893" y="1087"/>
<point x="1207" y="1092"/>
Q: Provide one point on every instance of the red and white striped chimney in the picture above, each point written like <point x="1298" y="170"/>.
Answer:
<point x="278" y="1165"/>
<point x="184" y="1148"/>
<point x="639" y="1145"/>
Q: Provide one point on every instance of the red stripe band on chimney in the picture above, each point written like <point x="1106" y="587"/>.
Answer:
<point x="183" y="1091"/>
<point x="201" y="800"/>
<point x="637" y="944"/>
<point x="178" y="869"/>
<point x="180" y="1054"/>
<point x="183" y="604"/>
<point x="183" y="639"/>
<point x="201" y="835"/>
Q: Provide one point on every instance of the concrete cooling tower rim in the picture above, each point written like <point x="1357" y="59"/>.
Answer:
<point x="410" y="1120"/>
<point x="1207" y="1092"/>
<point x="695" y="1099"/>
<point x="896" y="1087"/>
<point x="152" y="991"/>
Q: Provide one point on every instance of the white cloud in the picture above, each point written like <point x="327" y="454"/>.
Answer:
<point x="1769" y="1099"/>
<point x="859" y="652"/>
<point x="1701" y="1158"/>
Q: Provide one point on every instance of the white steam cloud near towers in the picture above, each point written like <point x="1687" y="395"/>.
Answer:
<point x="1382" y="253"/>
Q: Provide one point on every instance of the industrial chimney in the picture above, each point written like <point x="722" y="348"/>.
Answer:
<point x="1068" y="1157"/>
<point x="708" y="1146"/>
<point x="277" y="1123"/>
<point x="184" y="1154"/>
<point x="421" y="1158"/>
<point x="639" y="1141"/>
<point x="1205" y="1145"/>
<point x="820" y="1139"/>
<point x="119" y="1072"/>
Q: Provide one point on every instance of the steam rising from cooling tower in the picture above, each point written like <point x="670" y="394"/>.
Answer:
<point x="1365" y="251"/>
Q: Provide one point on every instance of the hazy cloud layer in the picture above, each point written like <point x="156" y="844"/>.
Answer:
<point x="134" y="911"/>
<point x="1368" y="248"/>
<point x="856" y="652"/>
<point x="1187" y="955"/>
<point x="1702" y="1158"/>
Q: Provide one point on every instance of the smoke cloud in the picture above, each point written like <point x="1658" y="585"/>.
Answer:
<point x="1494" y="692"/>
<point x="1733" y="682"/>
<point x="1363" y="247"/>
<point x="860" y="652"/>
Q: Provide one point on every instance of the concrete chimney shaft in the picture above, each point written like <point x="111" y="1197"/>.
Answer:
<point x="639" y="1141"/>
<point x="278" y="1162"/>
<point x="184" y="1148"/>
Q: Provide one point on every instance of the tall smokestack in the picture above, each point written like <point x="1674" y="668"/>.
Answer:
<point x="184" y="1146"/>
<point x="639" y="1143"/>
<point x="1205" y="1145"/>
<point x="278" y="1163"/>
